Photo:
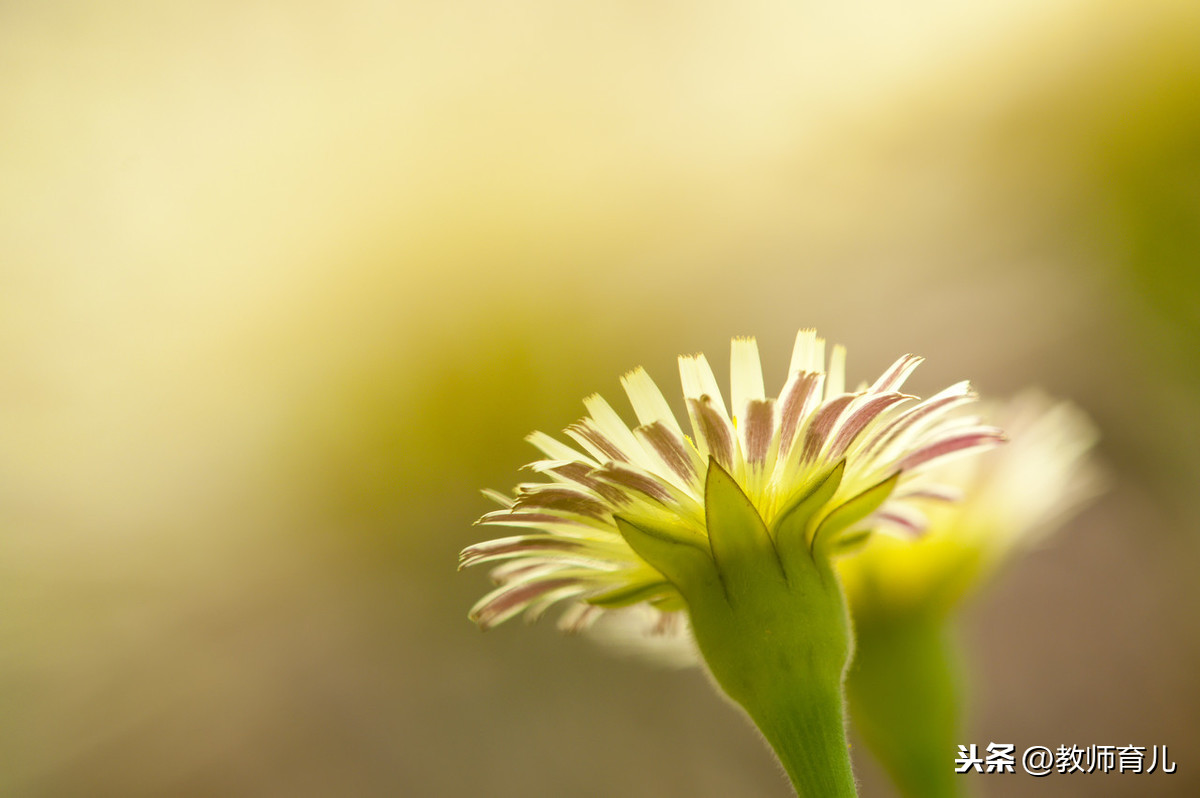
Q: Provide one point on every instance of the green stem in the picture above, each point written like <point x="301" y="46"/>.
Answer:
<point x="807" y="732"/>
<point x="780" y="652"/>
<point x="905" y="697"/>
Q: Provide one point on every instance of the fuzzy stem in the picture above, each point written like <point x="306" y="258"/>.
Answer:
<point x="807" y="731"/>
<point x="780" y="652"/>
<point x="905" y="690"/>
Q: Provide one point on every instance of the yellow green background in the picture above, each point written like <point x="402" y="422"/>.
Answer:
<point x="282" y="285"/>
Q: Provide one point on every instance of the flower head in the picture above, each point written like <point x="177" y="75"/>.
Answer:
<point x="902" y="595"/>
<point x="821" y="468"/>
<point x="1013" y="497"/>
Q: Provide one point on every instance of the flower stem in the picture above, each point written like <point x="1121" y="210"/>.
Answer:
<point x="807" y="732"/>
<point x="905" y="694"/>
<point x="781" y="652"/>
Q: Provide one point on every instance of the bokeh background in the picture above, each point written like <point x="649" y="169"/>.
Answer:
<point x="285" y="284"/>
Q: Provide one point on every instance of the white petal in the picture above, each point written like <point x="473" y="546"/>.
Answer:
<point x="611" y="425"/>
<point x="556" y="450"/>
<point x="647" y="400"/>
<point x="808" y="354"/>
<point x="745" y="375"/>
<point x="698" y="381"/>
<point x="835" y="383"/>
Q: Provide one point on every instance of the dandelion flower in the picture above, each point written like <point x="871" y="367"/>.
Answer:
<point x="848" y="462"/>
<point x="736" y="524"/>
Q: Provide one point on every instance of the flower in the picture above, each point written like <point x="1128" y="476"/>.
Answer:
<point x="1013" y="497"/>
<point x="835" y="465"/>
<point x="902" y="596"/>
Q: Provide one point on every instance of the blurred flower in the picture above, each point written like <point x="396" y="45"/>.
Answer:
<point x="1013" y="497"/>
<point x="835" y="465"/>
<point x="644" y="633"/>
<point x="905" y="686"/>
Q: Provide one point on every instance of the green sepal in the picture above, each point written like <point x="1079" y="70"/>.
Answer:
<point x="670" y="602"/>
<point x="741" y="545"/>
<point x="792" y="525"/>
<point x="851" y="541"/>
<point x="685" y="564"/>
<point x="853" y="511"/>
<point x="628" y="595"/>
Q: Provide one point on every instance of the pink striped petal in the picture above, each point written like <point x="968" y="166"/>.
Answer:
<point x="799" y="396"/>
<point x="937" y="493"/>
<point x="516" y="545"/>
<point x="902" y="518"/>
<point x="671" y="449"/>
<point x="822" y="425"/>
<point x="636" y="480"/>
<point x="562" y="499"/>
<point x="583" y="475"/>
<point x="956" y="443"/>
<point x="500" y="605"/>
<point x="578" y="617"/>
<point x="862" y="415"/>
<point x="589" y="437"/>
<point x="939" y="403"/>
<point x="894" y="377"/>
<point x="759" y="429"/>
<point x="713" y="429"/>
